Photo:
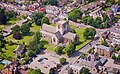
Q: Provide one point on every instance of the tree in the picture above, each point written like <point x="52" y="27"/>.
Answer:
<point x="37" y="36"/>
<point x="62" y="60"/>
<point x="3" y="19"/>
<point x="1" y="44"/>
<point x="37" y="18"/>
<point x="53" y="70"/>
<point x="10" y="15"/>
<point x="1" y="37"/>
<point x="70" y="49"/>
<point x="25" y="29"/>
<point x="17" y="35"/>
<point x="32" y="44"/>
<point x="85" y="71"/>
<point x="89" y="33"/>
<point x="44" y="20"/>
<point x="75" y="14"/>
<point x="30" y="53"/>
<point x="104" y="43"/>
<point x="16" y="29"/>
<point x="113" y="56"/>
<point x="59" y="49"/>
<point x="52" y="2"/>
<point x="116" y="49"/>
<point x="35" y="71"/>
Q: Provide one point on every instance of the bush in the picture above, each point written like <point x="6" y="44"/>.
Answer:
<point x="31" y="53"/>
<point x="59" y="49"/>
<point x="62" y="60"/>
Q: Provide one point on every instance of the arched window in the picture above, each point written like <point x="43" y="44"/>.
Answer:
<point x="53" y="39"/>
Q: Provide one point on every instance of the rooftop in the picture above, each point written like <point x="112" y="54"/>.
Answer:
<point x="108" y="49"/>
<point x="48" y="28"/>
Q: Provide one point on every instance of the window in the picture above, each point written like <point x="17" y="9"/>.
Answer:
<point x="58" y="26"/>
<point x="53" y="39"/>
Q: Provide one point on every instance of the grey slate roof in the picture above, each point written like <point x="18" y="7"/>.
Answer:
<point x="48" y="28"/>
<point x="69" y="35"/>
<point x="58" y="34"/>
<point x="108" y="49"/>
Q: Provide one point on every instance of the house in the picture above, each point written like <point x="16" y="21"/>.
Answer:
<point x="104" y="50"/>
<point x="103" y="60"/>
<point x="115" y="8"/>
<point x="19" y="50"/>
<point x="55" y="20"/>
<point x="114" y="35"/>
<point x="40" y="9"/>
<point x="61" y="33"/>
<point x="51" y="17"/>
<point x="93" y="66"/>
<point x="93" y="57"/>
<point x="52" y="10"/>
<point x="97" y="13"/>
<point x="113" y="70"/>
<point x="110" y="15"/>
<point x="74" y="69"/>
<point x="63" y="15"/>
<point x="103" y="1"/>
<point x="62" y="2"/>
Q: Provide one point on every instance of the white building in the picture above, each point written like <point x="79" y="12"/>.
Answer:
<point x="74" y="69"/>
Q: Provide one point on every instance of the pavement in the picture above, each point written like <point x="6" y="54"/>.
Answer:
<point x="45" y="65"/>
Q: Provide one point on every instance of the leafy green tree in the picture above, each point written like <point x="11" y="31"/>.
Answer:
<point x="53" y="70"/>
<point x="32" y="44"/>
<point x="25" y="29"/>
<point x="38" y="17"/>
<point x="89" y="33"/>
<point x="75" y="14"/>
<point x="52" y="2"/>
<point x="116" y="49"/>
<point x="35" y="71"/>
<point x="113" y="56"/>
<point x="31" y="53"/>
<point x="37" y="36"/>
<point x="1" y="44"/>
<point x="118" y="57"/>
<point x="10" y="15"/>
<point x="44" y="20"/>
<point x="104" y="43"/>
<point x="70" y="49"/>
<point x="59" y="49"/>
<point x="85" y="71"/>
<point x="1" y="37"/>
<point x="62" y="60"/>
<point x="16" y="29"/>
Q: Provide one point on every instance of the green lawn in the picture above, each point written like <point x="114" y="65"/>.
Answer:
<point x="83" y="41"/>
<point x="35" y="28"/>
<point x="9" y="50"/>
<point x="25" y="39"/>
<point x="72" y="26"/>
<point x="1" y="67"/>
<point x="49" y="47"/>
<point x="52" y="24"/>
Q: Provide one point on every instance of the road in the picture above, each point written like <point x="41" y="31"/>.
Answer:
<point x="76" y="55"/>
